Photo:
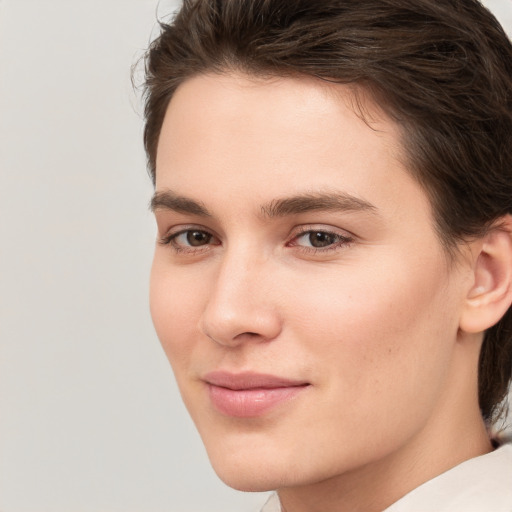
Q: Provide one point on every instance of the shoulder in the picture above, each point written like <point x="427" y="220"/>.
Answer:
<point x="477" y="485"/>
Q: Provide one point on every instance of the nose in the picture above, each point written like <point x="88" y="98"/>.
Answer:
<point x="240" y="306"/>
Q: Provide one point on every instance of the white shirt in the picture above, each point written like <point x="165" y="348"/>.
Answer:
<point x="482" y="484"/>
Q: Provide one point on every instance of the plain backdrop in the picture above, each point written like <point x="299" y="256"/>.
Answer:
<point x="90" y="418"/>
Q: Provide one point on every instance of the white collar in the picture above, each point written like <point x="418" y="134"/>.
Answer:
<point x="482" y="484"/>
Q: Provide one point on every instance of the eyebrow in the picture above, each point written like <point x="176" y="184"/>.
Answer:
<point x="294" y="205"/>
<point x="168" y="200"/>
<point x="338" y="201"/>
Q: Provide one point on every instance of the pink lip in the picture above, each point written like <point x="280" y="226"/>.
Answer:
<point x="246" y="395"/>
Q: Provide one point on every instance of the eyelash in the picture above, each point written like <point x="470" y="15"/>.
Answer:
<point x="170" y="239"/>
<point x="341" y="241"/>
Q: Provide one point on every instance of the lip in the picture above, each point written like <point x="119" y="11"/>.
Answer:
<point x="248" y="394"/>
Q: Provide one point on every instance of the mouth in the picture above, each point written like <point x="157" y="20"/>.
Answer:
<point x="248" y="395"/>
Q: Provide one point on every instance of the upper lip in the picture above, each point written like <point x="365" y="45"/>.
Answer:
<point x="250" y="380"/>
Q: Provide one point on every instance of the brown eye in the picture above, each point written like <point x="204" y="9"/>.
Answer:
<point x="197" y="238"/>
<point x="319" y="239"/>
<point x="190" y="239"/>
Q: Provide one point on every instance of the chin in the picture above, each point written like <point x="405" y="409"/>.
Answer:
<point x="249" y="479"/>
<point x="250" y="470"/>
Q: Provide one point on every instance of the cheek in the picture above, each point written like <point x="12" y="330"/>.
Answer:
<point x="379" y="349"/>
<point x="373" y="324"/>
<point x="175" y="304"/>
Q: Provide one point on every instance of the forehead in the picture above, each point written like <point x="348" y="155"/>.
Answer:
<point x="229" y="135"/>
<point x="299" y="107"/>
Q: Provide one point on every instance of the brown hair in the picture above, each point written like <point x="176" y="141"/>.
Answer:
<point x="441" y="68"/>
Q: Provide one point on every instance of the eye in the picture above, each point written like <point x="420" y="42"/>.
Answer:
<point x="194" y="238"/>
<point x="319" y="239"/>
<point x="190" y="240"/>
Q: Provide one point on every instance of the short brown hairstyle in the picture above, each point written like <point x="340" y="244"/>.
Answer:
<point x="442" y="69"/>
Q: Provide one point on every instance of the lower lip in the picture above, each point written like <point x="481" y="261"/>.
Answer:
<point x="249" y="403"/>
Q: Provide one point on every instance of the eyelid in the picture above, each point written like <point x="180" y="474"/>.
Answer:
<point x="174" y="232"/>
<point x="346" y="238"/>
<point x="307" y="228"/>
<point x="183" y="228"/>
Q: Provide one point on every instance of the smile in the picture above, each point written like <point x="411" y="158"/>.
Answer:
<point x="248" y="395"/>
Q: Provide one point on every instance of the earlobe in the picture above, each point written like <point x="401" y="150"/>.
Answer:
<point x="490" y="295"/>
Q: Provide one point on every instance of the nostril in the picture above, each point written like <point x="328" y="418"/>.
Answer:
<point x="246" y="335"/>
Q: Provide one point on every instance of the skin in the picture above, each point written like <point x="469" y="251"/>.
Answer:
<point x="371" y="321"/>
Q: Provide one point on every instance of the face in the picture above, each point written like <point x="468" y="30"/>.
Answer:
<point x="298" y="286"/>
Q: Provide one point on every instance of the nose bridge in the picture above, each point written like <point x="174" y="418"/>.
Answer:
<point x="239" y="306"/>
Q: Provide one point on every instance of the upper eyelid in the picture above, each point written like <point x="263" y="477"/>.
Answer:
<point x="307" y="228"/>
<point x="332" y="233"/>
<point x="183" y="228"/>
<point x="296" y="231"/>
<point x="341" y="239"/>
<point x="345" y="238"/>
<point x="169" y="239"/>
<point x="175" y="231"/>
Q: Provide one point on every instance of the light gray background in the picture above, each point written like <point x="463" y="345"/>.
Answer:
<point x="90" y="419"/>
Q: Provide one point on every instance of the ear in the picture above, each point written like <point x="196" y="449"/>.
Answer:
<point x="490" y="295"/>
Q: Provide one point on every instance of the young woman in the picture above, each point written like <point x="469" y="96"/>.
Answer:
<point x="332" y="280"/>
